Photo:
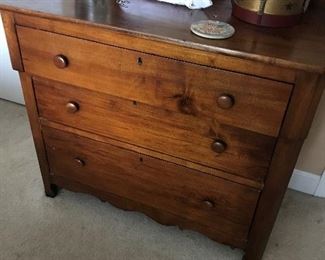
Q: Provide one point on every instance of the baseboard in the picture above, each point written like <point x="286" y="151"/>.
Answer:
<point x="320" y="191"/>
<point x="309" y="183"/>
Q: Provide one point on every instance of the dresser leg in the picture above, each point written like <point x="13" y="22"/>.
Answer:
<point x="52" y="191"/>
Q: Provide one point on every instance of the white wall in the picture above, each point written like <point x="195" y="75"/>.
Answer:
<point x="10" y="87"/>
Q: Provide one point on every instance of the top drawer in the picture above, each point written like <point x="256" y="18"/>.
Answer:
<point x="230" y="98"/>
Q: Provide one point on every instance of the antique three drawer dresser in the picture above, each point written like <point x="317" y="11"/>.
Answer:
<point x="126" y="104"/>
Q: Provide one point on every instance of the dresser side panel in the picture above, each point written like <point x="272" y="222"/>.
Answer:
<point x="13" y="44"/>
<point x="301" y="111"/>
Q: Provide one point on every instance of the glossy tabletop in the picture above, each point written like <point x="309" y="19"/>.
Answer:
<point x="299" y="47"/>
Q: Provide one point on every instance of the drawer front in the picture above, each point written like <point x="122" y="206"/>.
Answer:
<point x="243" y="101"/>
<point x="220" y="205"/>
<point x="202" y="141"/>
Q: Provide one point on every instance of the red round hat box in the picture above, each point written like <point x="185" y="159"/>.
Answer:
<point x="271" y="13"/>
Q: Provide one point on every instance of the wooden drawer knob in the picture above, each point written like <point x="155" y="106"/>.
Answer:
<point x="79" y="162"/>
<point x="208" y="204"/>
<point x="226" y="101"/>
<point x="60" y="61"/>
<point x="72" y="107"/>
<point x="219" y="146"/>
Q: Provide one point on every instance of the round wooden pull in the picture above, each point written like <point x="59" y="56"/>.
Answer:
<point x="79" y="162"/>
<point x="226" y="101"/>
<point x="60" y="61"/>
<point x="219" y="146"/>
<point x="209" y="204"/>
<point x="72" y="107"/>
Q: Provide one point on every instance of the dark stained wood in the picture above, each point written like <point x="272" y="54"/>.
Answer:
<point x="282" y="166"/>
<point x="199" y="167"/>
<point x="13" y="45"/>
<point x="318" y="3"/>
<point x="156" y="183"/>
<point x="297" y="123"/>
<point x="172" y="25"/>
<point x="169" y="84"/>
<point x="31" y="106"/>
<point x="246" y="153"/>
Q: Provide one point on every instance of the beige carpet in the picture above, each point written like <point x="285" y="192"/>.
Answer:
<point x="77" y="226"/>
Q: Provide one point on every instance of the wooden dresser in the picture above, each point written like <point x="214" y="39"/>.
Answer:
<point x="126" y="104"/>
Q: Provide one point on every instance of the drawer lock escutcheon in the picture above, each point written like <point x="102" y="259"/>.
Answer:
<point x="139" y="61"/>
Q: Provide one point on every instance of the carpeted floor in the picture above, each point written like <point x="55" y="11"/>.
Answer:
<point x="77" y="226"/>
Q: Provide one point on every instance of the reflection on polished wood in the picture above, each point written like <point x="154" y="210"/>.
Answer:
<point x="172" y="23"/>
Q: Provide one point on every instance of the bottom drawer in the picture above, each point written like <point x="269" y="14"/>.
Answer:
<point x="220" y="207"/>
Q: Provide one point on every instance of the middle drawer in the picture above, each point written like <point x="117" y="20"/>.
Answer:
<point x="199" y="140"/>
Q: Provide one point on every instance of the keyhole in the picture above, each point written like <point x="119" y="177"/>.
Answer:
<point x="140" y="62"/>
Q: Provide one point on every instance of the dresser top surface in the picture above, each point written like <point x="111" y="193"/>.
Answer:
<point x="299" y="47"/>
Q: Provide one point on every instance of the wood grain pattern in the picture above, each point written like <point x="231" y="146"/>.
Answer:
<point x="258" y="185"/>
<point x="13" y="45"/>
<point x="259" y="104"/>
<point x="158" y="184"/>
<point x="293" y="45"/>
<point x="248" y="154"/>
<point x="116" y="37"/>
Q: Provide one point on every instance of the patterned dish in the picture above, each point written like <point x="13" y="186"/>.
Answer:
<point x="212" y="29"/>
